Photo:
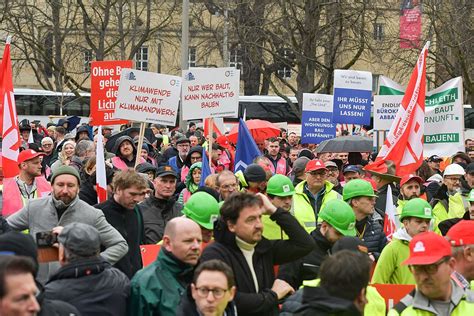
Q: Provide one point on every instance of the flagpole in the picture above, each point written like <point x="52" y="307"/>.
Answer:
<point x="140" y="144"/>
<point x="211" y="140"/>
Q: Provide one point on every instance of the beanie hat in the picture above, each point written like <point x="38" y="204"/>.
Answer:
<point x="66" y="170"/>
<point x="255" y="173"/>
<point x="20" y="245"/>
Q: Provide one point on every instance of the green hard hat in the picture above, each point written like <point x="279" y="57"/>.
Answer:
<point x="280" y="185"/>
<point x="470" y="197"/>
<point x="417" y="208"/>
<point x="356" y="188"/>
<point x="339" y="215"/>
<point x="202" y="208"/>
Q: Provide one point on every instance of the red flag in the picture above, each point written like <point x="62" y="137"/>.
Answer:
<point x="100" y="176"/>
<point x="10" y="132"/>
<point x="404" y="142"/>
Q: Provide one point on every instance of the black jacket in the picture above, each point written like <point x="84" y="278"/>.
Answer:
<point x="445" y="225"/>
<point x="129" y="224"/>
<point x="156" y="213"/>
<point x="187" y="306"/>
<point x="92" y="286"/>
<point x="316" y="301"/>
<point x="374" y="237"/>
<point x="267" y="254"/>
<point x="55" y="308"/>
<point x="4" y="225"/>
<point x="306" y="268"/>
<point x="381" y="201"/>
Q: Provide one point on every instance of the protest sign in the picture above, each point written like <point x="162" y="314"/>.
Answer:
<point x="148" y="97"/>
<point x="385" y="110"/>
<point x="105" y="77"/>
<point x="316" y="120"/>
<point x="210" y="92"/>
<point x="352" y="96"/>
<point x="444" y="116"/>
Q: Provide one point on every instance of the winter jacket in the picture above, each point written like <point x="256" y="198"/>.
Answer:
<point x="187" y="306"/>
<point x="389" y="268"/>
<point x="116" y="151"/>
<point x="40" y="215"/>
<point x="447" y="206"/>
<point x="306" y="268"/>
<point x="316" y="301"/>
<point x="92" y="286"/>
<point x="417" y="304"/>
<point x="129" y="224"/>
<point x="55" y="307"/>
<point x="306" y="207"/>
<point x="267" y="253"/>
<point x="156" y="213"/>
<point x="373" y="235"/>
<point x="4" y="227"/>
<point x="157" y="289"/>
<point x="191" y="187"/>
<point x="380" y="202"/>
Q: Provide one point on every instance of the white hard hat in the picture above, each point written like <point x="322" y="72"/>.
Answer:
<point x="454" y="169"/>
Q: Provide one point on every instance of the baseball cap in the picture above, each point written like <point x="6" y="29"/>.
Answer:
<point x="182" y="140"/>
<point x="166" y="171"/>
<point x="223" y="141"/>
<point x="461" y="234"/>
<point x="408" y="177"/>
<point x="435" y="158"/>
<point x="330" y="163"/>
<point x="82" y="239"/>
<point x="427" y="248"/>
<point x="315" y="164"/>
<point x="28" y="154"/>
<point x="351" y="168"/>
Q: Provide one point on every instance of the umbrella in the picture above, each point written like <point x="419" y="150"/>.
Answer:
<point x="128" y="132"/>
<point x="72" y="121"/>
<point x="346" y="144"/>
<point x="259" y="129"/>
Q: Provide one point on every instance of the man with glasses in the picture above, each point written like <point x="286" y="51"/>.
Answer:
<point x="333" y="175"/>
<point x="227" y="183"/>
<point x="177" y="162"/>
<point x="47" y="145"/>
<point x="211" y="292"/>
<point x="436" y="292"/>
<point x="448" y="202"/>
<point x="361" y="197"/>
<point x="311" y="194"/>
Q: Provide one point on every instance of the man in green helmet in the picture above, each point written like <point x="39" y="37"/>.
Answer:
<point x="203" y="209"/>
<point x="415" y="217"/>
<point x="338" y="220"/>
<point x="360" y="195"/>
<point x="280" y="191"/>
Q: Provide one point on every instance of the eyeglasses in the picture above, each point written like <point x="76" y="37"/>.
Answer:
<point x="453" y="179"/>
<point x="204" y="292"/>
<point x="428" y="268"/>
<point x="318" y="173"/>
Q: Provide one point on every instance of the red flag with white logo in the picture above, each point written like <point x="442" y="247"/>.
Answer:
<point x="101" y="180"/>
<point x="10" y="132"/>
<point x="404" y="142"/>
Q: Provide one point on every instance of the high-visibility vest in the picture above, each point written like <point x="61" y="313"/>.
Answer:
<point x="281" y="167"/>
<point x="15" y="200"/>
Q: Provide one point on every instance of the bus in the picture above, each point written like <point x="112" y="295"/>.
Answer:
<point x="40" y="104"/>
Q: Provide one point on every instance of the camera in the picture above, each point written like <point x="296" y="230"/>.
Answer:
<point x="46" y="239"/>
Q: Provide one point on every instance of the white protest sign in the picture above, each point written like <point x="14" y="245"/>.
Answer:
<point x="385" y="110"/>
<point x="210" y="92"/>
<point x="444" y="117"/>
<point x="148" y="97"/>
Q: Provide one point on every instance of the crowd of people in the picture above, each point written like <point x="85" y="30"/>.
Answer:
<point x="298" y="232"/>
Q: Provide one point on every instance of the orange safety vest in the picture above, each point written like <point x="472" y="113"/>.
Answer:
<point x="118" y="163"/>
<point x="15" y="200"/>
